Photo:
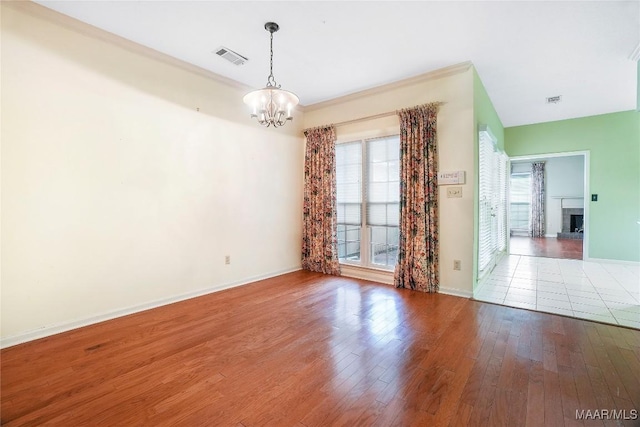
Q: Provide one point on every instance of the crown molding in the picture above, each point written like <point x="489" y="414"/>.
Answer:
<point x="431" y="75"/>
<point x="41" y="12"/>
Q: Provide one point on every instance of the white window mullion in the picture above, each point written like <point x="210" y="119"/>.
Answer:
<point x="364" y="230"/>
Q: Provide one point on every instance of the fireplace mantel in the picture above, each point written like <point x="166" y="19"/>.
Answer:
<point x="570" y="201"/>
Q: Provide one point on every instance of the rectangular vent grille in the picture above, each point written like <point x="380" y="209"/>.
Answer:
<point x="231" y="56"/>
<point x="554" y="99"/>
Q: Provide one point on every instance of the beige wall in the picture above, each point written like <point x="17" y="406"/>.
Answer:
<point x="456" y="131"/>
<point x="126" y="179"/>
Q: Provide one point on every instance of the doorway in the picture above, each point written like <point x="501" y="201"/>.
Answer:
<point x="564" y="213"/>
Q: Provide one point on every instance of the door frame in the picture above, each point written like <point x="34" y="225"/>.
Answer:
<point x="586" y="156"/>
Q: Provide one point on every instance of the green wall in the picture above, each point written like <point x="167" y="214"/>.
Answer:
<point x="483" y="113"/>
<point x="613" y="141"/>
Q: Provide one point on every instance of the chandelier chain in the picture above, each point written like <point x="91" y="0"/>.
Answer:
<point x="271" y="80"/>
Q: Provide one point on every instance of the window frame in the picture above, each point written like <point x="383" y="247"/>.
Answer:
<point x="514" y="230"/>
<point x="365" y="261"/>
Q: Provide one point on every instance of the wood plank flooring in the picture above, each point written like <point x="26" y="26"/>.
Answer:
<point x="305" y="349"/>
<point x="548" y="247"/>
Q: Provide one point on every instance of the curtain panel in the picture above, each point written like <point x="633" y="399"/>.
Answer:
<point x="319" y="234"/>
<point x="537" y="200"/>
<point x="417" y="266"/>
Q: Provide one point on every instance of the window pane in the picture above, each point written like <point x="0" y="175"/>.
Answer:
<point x="393" y="214"/>
<point x="377" y="150"/>
<point x="383" y="196"/>
<point x="384" y="246"/>
<point x="520" y="196"/>
<point x="377" y="214"/>
<point x="349" y="249"/>
<point x="379" y="235"/>
<point x="348" y="193"/>
<point x="379" y="172"/>
<point x="349" y="213"/>
<point x="377" y="192"/>
<point x="393" y="148"/>
<point x="393" y="191"/>
<point x="393" y="236"/>
<point x="349" y="198"/>
<point x="394" y="170"/>
<point x="352" y="214"/>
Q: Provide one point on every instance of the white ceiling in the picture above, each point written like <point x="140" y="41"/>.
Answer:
<point x="524" y="51"/>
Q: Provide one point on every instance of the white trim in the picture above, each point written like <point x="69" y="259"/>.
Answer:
<point x="79" y="323"/>
<point x="612" y="261"/>
<point x="548" y="155"/>
<point x="587" y="173"/>
<point x="456" y="292"/>
<point x="73" y="24"/>
<point x="357" y="272"/>
<point x="386" y="278"/>
<point x="485" y="128"/>
<point x="551" y="236"/>
<point x="431" y="75"/>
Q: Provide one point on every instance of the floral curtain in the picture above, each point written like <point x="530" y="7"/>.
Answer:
<point x="319" y="234"/>
<point x="536" y="228"/>
<point x="417" y="266"/>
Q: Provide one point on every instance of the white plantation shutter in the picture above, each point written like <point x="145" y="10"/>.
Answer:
<point x="492" y="233"/>
<point x="486" y="166"/>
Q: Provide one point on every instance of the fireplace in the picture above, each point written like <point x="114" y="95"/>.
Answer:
<point x="575" y="223"/>
<point x="572" y="223"/>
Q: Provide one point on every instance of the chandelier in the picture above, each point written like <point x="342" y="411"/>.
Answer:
<point x="271" y="105"/>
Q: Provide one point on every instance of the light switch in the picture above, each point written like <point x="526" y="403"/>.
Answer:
<point x="454" y="192"/>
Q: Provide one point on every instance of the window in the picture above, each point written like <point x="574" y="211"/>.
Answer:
<point x="368" y="193"/>
<point x="520" y="206"/>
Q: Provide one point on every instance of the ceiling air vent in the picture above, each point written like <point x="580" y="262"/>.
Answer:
<point x="554" y="99"/>
<point x="231" y="56"/>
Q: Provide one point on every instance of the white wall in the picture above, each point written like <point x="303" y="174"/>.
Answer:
<point x="127" y="178"/>
<point x="456" y="131"/>
<point x="564" y="180"/>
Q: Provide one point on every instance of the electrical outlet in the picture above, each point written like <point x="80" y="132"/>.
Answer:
<point x="227" y="259"/>
<point x="457" y="264"/>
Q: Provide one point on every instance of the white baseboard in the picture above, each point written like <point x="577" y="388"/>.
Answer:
<point x="386" y="277"/>
<point x="551" y="235"/>
<point x="456" y="292"/>
<point x="613" y="261"/>
<point x="78" y="323"/>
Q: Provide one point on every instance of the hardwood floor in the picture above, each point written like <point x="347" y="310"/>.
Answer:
<point x="307" y="349"/>
<point x="548" y="247"/>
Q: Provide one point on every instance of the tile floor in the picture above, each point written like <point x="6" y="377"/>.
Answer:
<point x="604" y="292"/>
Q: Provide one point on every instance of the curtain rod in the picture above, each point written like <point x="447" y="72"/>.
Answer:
<point x="373" y="117"/>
